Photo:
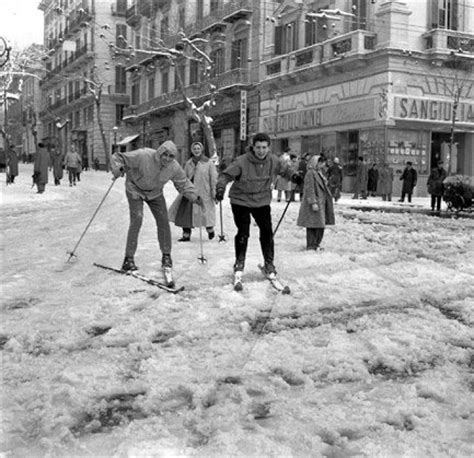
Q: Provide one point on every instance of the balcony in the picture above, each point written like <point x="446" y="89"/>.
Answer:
<point x="444" y="41"/>
<point x="236" y="10"/>
<point x="236" y="78"/>
<point x="118" y="9"/>
<point x="132" y="17"/>
<point x="356" y="43"/>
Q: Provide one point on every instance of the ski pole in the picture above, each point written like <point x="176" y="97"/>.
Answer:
<point x="222" y="237"/>
<point x="284" y="211"/>
<point x="202" y="259"/>
<point x="73" y="252"/>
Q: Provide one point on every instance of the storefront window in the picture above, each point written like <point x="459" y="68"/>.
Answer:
<point x="408" y="145"/>
<point x="372" y="146"/>
<point x="348" y="151"/>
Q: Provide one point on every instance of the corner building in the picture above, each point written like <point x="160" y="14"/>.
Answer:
<point x="387" y="80"/>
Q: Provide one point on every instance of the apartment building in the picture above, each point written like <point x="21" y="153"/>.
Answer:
<point x="80" y="37"/>
<point x="387" y="80"/>
<point x="231" y="33"/>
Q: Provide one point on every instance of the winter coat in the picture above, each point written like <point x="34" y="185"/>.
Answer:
<point x="362" y="176"/>
<point x="146" y="176"/>
<point x="12" y="163"/>
<point x="385" y="181"/>
<point x="41" y="166"/>
<point x="57" y="161"/>
<point x="316" y="190"/>
<point x="204" y="176"/>
<point x="409" y="177"/>
<point x="334" y="177"/>
<point x="72" y="160"/>
<point x="373" y="176"/>
<point x="253" y="178"/>
<point x="435" y="181"/>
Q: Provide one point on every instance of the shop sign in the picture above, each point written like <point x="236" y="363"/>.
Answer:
<point x="347" y="112"/>
<point x="432" y="110"/>
<point x="243" y="115"/>
<point x="305" y="119"/>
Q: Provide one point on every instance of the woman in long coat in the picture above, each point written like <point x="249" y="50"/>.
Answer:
<point x="317" y="209"/>
<point x="40" y="175"/>
<point x="385" y="182"/>
<point x="12" y="164"/>
<point x="57" y="160"/>
<point x="203" y="173"/>
<point x="436" y="185"/>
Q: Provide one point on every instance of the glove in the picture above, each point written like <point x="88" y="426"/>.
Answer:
<point x="297" y="178"/>
<point x="220" y="194"/>
<point x="315" y="207"/>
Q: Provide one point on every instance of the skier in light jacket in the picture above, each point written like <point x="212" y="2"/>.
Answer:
<point x="203" y="174"/>
<point x="147" y="171"/>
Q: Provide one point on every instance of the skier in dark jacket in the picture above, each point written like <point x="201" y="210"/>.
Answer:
<point x="436" y="185"/>
<point x="409" y="177"/>
<point x="252" y="175"/>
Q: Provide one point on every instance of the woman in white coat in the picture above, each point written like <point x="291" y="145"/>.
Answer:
<point x="203" y="173"/>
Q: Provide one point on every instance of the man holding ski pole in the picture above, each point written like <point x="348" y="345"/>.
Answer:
<point x="252" y="175"/>
<point x="147" y="171"/>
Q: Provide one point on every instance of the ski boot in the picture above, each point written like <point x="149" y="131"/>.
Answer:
<point x="167" y="267"/>
<point x="129" y="265"/>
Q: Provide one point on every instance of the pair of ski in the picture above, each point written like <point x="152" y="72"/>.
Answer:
<point x="276" y="284"/>
<point x="168" y="286"/>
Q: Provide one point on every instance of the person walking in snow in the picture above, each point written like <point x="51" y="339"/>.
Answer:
<point x="362" y="176"/>
<point x="436" y="186"/>
<point x="40" y="168"/>
<point x="250" y="195"/>
<point x="283" y="184"/>
<point x="335" y="179"/>
<point x="316" y="209"/>
<point x="72" y="161"/>
<point x="373" y="176"/>
<point x="203" y="173"/>
<point x="385" y="182"/>
<point x="409" y="178"/>
<point x="12" y="171"/>
<point x="147" y="171"/>
<point x="57" y="161"/>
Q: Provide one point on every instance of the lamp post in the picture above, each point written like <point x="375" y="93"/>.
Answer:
<point x="114" y="149"/>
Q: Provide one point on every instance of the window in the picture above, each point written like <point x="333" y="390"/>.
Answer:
<point x="286" y="38"/>
<point x="121" y="36"/>
<point x="77" y="118"/>
<point x="193" y="72"/>
<point x="90" y="114"/>
<point x="239" y="53"/>
<point x="164" y="28"/>
<point x="151" y="88"/>
<point x="135" y="94"/>
<point x="179" y="72"/>
<point x="119" y="114"/>
<point x="214" y="5"/>
<point x="200" y="9"/>
<point x="120" y="80"/>
<point x="181" y="19"/>
<point x="310" y="28"/>
<point x="121" y="6"/>
<point x="445" y="14"/>
<point x="359" y="7"/>
<point x="138" y="40"/>
<point x="218" y="57"/>
<point x="165" y="82"/>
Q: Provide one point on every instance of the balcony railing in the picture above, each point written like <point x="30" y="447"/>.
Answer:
<point x="442" y="40"/>
<point x="235" y="77"/>
<point x="132" y="17"/>
<point x="358" y="42"/>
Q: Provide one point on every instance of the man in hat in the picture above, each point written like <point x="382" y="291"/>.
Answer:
<point x="409" y="178"/>
<point x="147" y="171"/>
<point x="436" y="185"/>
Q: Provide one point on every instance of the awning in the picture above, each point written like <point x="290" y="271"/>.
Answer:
<point x="127" y="140"/>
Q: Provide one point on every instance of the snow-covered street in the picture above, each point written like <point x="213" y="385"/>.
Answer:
<point x="371" y="355"/>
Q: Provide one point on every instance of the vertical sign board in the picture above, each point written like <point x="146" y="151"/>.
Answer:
<point x="243" y="115"/>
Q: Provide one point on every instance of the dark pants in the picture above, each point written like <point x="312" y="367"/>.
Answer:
<point x="263" y="218"/>
<point x="72" y="171"/>
<point x="436" y="200"/>
<point x="314" y="236"/>
<point x="159" y="212"/>
<point x="403" y="196"/>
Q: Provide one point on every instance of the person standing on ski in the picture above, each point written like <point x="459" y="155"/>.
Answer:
<point x="147" y="171"/>
<point x="203" y="174"/>
<point x="252" y="175"/>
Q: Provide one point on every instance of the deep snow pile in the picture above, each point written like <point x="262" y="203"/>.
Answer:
<point x="371" y="354"/>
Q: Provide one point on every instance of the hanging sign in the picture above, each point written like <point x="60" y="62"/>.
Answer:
<point x="243" y="115"/>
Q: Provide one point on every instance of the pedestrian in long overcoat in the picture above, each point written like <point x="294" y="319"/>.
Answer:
<point x="409" y="178"/>
<point x="362" y="177"/>
<point x="40" y="175"/>
<point x="201" y="171"/>
<point x="373" y="176"/>
<point x="385" y="182"/>
<point x="436" y="185"/>
<point x="12" y="164"/>
<point x="282" y="183"/>
<point x="57" y="161"/>
<point x="316" y="209"/>
<point x="335" y="179"/>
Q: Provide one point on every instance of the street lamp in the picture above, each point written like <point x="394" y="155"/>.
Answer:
<point x="115" y="129"/>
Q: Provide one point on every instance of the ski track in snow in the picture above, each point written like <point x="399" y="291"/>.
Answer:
<point x="371" y="354"/>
